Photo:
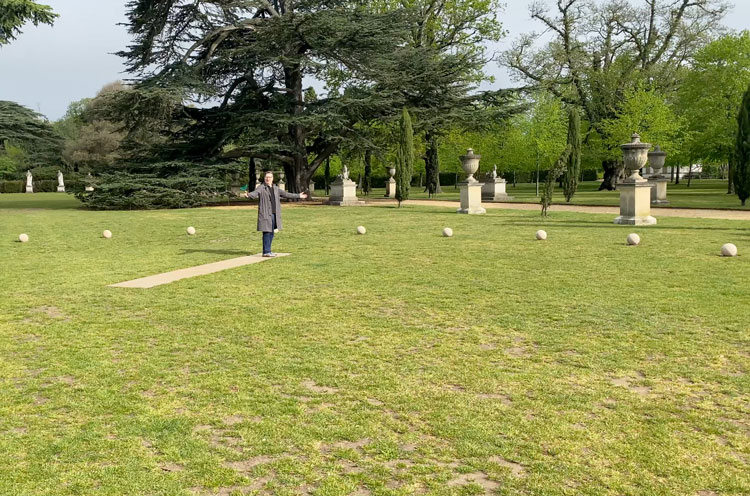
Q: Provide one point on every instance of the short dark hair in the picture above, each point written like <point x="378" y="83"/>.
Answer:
<point x="267" y="173"/>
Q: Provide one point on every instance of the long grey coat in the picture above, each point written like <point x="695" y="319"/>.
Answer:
<point x="263" y="194"/>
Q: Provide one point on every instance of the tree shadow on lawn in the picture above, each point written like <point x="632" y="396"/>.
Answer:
<point x="240" y="253"/>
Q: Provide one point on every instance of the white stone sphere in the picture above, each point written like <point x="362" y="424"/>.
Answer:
<point x="728" y="250"/>
<point x="541" y="235"/>
<point x="23" y="238"/>
<point x="107" y="233"/>
<point x="634" y="239"/>
<point x="361" y="230"/>
<point x="448" y="232"/>
<point x="191" y="230"/>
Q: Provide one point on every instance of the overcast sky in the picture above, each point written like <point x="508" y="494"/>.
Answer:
<point x="49" y="67"/>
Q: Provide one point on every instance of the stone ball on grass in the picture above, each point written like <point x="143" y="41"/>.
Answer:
<point x="448" y="232"/>
<point x="23" y="238"/>
<point x="191" y="230"/>
<point x="361" y="230"/>
<point x="541" y="235"/>
<point x="107" y="233"/>
<point x="634" y="239"/>
<point x="728" y="250"/>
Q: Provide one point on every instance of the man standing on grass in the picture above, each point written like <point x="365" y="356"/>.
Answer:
<point x="269" y="209"/>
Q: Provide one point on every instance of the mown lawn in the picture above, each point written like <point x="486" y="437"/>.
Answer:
<point x="394" y="363"/>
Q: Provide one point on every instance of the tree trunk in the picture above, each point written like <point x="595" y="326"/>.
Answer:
<point x="432" y="164"/>
<point x="327" y="175"/>
<point x="611" y="171"/>
<point x="368" y="173"/>
<point x="251" y="175"/>
<point x="296" y="170"/>
<point x="677" y="175"/>
<point x="730" y="181"/>
<point x="690" y="174"/>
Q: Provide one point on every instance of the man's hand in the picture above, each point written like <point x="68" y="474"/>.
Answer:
<point x="247" y="194"/>
<point x="303" y="195"/>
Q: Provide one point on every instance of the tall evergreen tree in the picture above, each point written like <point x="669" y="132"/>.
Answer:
<point x="405" y="158"/>
<point x="367" y="184"/>
<point x="742" y="151"/>
<point x="31" y="131"/>
<point x="570" y="179"/>
<point x="16" y="13"/>
<point x="253" y="57"/>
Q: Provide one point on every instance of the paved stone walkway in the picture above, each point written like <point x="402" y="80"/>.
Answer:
<point x="200" y="270"/>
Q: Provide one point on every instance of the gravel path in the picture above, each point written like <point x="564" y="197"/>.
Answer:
<point x="692" y="213"/>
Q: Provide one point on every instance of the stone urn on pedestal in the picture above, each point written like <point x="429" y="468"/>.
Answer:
<point x="494" y="188"/>
<point x="344" y="191"/>
<point x="390" y="184"/>
<point x="282" y="184"/>
<point x="658" y="182"/>
<point x="257" y="179"/>
<point x="635" y="192"/>
<point x="471" y="189"/>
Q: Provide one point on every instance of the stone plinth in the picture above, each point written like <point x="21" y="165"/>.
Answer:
<point x="390" y="188"/>
<point x="282" y="186"/>
<point x="658" y="190"/>
<point x="493" y="190"/>
<point x="61" y="189"/>
<point x="471" y="198"/>
<point x="344" y="193"/>
<point x="635" y="203"/>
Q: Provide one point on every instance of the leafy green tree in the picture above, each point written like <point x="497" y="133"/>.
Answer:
<point x="742" y="151"/>
<point x="710" y="96"/>
<point x="13" y="158"/>
<point x="405" y="161"/>
<point x="570" y="178"/>
<point x="31" y="131"/>
<point x="599" y="50"/>
<point x="647" y="113"/>
<point x="15" y="13"/>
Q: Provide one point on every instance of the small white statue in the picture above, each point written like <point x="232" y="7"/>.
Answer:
<point x="345" y="173"/>
<point x="29" y="184"/>
<point x="493" y="174"/>
<point x="60" y="183"/>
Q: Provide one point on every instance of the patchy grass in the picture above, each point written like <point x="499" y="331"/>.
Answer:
<point x="394" y="363"/>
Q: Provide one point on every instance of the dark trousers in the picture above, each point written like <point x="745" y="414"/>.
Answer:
<point x="268" y="237"/>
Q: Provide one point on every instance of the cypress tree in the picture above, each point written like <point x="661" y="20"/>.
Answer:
<point x="570" y="179"/>
<point x="741" y="165"/>
<point x="405" y="162"/>
<point x="366" y="186"/>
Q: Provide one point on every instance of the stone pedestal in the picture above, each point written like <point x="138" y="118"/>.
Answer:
<point x="493" y="190"/>
<point x="29" y="189"/>
<point x="311" y="188"/>
<point x="89" y="188"/>
<point x="658" y="190"/>
<point x="282" y="186"/>
<point x="344" y="193"/>
<point x="61" y="189"/>
<point x="471" y="198"/>
<point x="635" y="203"/>
<point x="390" y="188"/>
